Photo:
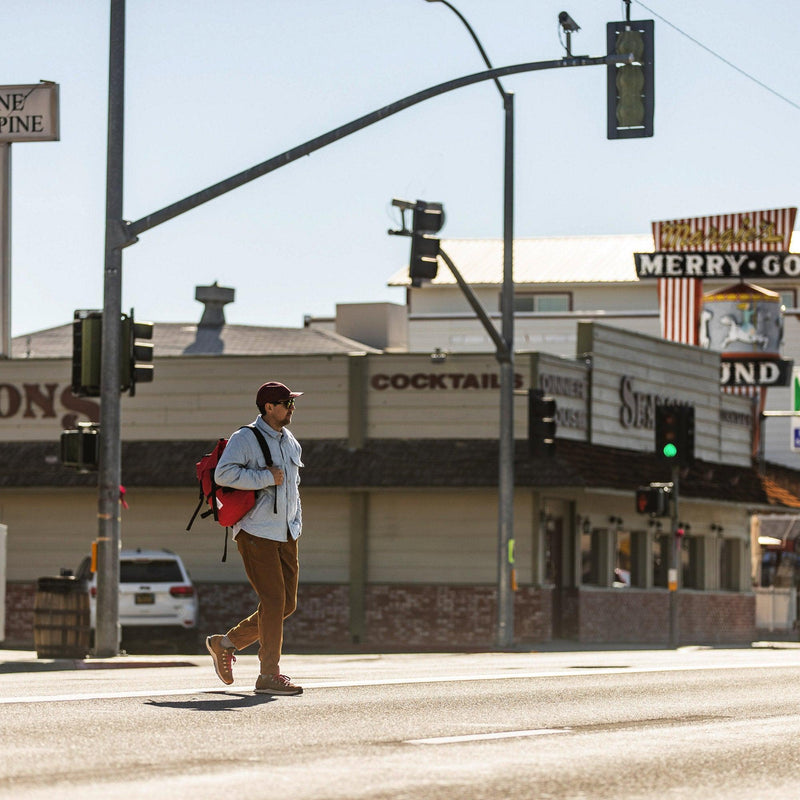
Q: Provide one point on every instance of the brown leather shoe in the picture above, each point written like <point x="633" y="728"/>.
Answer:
<point x="276" y="684"/>
<point x="223" y="658"/>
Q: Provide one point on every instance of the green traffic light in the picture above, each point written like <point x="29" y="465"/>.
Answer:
<point x="670" y="451"/>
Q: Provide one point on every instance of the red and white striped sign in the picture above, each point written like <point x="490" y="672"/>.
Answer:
<point x="679" y="302"/>
<point x="680" y="299"/>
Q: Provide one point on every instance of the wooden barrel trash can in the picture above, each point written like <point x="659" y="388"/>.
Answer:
<point x="61" y="618"/>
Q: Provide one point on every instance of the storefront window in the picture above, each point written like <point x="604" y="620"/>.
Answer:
<point x="788" y="297"/>
<point x="692" y="562"/>
<point x="640" y="554"/>
<point x="661" y="558"/>
<point x="727" y="577"/>
<point x="779" y="567"/>
<point x="622" y="564"/>
<point x="542" y="302"/>
<point x="553" y="556"/>
<point x="590" y="556"/>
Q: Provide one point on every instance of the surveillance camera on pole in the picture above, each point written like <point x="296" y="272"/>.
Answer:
<point x="567" y="23"/>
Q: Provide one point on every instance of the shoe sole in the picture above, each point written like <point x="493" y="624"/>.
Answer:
<point x="216" y="662"/>
<point x="280" y="692"/>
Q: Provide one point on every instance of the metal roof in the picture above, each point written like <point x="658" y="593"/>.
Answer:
<point x="390" y="463"/>
<point x="186" y="339"/>
<point x="552" y="259"/>
<point x="545" y="260"/>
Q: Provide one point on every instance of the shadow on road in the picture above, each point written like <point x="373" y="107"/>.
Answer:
<point x="227" y="701"/>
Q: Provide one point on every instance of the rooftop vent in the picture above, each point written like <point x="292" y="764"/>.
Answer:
<point x="208" y="339"/>
<point x="215" y="298"/>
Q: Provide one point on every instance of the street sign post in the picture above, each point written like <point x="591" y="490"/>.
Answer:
<point x="795" y="441"/>
<point x="28" y="113"/>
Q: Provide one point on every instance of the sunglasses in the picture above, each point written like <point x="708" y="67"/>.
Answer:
<point x="286" y="403"/>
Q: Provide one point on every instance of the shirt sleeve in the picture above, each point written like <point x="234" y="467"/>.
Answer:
<point x="237" y="465"/>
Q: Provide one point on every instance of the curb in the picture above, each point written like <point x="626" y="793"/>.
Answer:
<point x="26" y="661"/>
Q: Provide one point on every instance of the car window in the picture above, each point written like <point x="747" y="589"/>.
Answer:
<point x="84" y="572"/>
<point x="155" y="571"/>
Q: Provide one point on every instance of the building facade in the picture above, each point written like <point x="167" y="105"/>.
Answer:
<point x="557" y="282"/>
<point x="400" y="487"/>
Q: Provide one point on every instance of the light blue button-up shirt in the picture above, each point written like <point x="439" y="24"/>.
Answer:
<point x="242" y="466"/>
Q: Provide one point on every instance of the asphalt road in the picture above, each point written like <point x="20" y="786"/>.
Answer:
<point x="709" y="723"/>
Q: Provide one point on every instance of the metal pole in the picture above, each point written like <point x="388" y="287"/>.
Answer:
<point x="131" y="230"/>
<point x="505" y="595"/>
<point x="505" y="355"/>
<point x="107" y="630"/>
<point x="5" y="250"/>
<point x="501" y="348"/>
<point x="675" y="564"/>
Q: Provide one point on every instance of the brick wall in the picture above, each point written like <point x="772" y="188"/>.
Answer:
<point x="397" y="616"/>
<point x="707" y="618"/>
<point x="642" y="617"/>
<point x="429" y="617"/>
<point x="630" y="615"/>
<point x="321" y="618"/>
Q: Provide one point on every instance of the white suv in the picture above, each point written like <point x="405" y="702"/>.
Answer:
<point x="157" y="599"/>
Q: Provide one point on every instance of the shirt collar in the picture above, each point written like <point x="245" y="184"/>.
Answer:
<point x="270" y="431"/>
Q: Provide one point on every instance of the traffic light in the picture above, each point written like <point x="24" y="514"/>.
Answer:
<point x="631" y="87"/>
<point x="541" y="423"/>
<point x="428" y="218"/>
<point x="87" y="337"/>
<point x="80" y="448"/>
<point x="675" y="433"/>
<point x="136" y="357"/>
<point x="653" y="500"/>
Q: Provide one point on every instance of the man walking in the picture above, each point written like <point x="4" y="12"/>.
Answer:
<point x="266" y="536"/>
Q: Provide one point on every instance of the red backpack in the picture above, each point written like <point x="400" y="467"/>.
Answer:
<point x="228" y="505"/>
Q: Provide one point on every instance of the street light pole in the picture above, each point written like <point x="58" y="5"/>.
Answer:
<point x="110" y="467"/>
<point x="505" y="555"/>
<point x="505" y="490"/>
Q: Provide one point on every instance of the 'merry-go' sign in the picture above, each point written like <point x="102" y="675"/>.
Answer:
<point x="709" y="240"/>
<point x="753" y="244"/>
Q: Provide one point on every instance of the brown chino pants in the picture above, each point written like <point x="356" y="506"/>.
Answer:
<point x="272" y="570"/>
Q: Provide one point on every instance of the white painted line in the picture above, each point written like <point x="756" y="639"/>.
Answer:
<point x="245" y="689"/>
<point x="480" y="737"/>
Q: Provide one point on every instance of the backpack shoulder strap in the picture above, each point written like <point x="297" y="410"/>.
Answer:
<point x="263" y="442"/>
<point x="268" y="458"/>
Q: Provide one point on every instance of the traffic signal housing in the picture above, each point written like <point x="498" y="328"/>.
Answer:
<point x="80" y="447"/>
<point x="136" y="356"/>
<point x="428" y="219"/>
<point x="674" y="441"/>
<point x="541" y="423"/>
<point x="653" y="500"/>
<point x="631" y="87"/>
<point x="87" y="337"/>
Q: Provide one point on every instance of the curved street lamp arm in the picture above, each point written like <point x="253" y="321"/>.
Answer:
<point x="475" y="39"/>
<point x="133" y="229"/>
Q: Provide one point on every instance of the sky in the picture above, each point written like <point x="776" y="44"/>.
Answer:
<point x="215" y="88"/>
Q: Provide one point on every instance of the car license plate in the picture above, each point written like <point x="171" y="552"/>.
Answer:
<point x="145" y="598"/>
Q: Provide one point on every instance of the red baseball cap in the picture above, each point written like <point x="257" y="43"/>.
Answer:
<point x="273" y="392"/>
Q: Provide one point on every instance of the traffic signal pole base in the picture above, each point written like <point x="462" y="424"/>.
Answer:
<point x="674" y="624"/>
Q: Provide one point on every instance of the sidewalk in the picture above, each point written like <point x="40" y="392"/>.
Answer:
<point x="26" y="661"/>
